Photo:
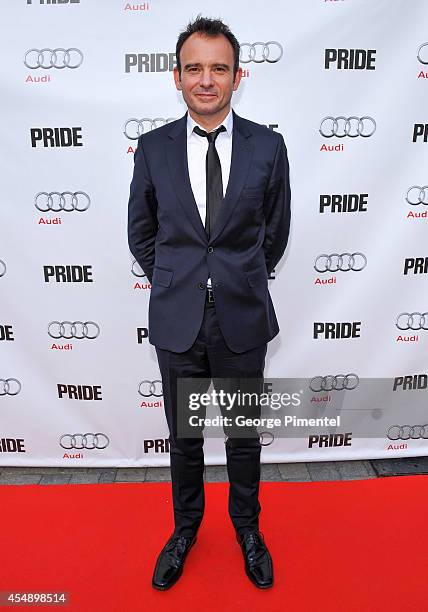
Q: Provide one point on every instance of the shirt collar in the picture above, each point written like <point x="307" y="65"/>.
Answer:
<point x="227" y="122"/>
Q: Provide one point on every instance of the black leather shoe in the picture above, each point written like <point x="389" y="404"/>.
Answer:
<point x="258" y="562"/>
<point x="170" y="563"/>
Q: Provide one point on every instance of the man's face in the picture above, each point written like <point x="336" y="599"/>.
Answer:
<point x="207" y="80"/>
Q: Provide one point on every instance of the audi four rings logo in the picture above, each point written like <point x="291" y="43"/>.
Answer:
<point x="412" y="320"/>
<point x="339" y="382"/>
<point x="2" y="268"/>
<point x="417" y="195"/>
<point x="88" y="441"/>
<point x="137" y="272"/>
<point x="67" y="201"/>
<point x="423" y="55"/>
<point x="260" y="52"/>
<point x="347" y="126"/>
<point x="9" y="386"/>
<point x="53" y="58"/>
<point x="343" y="262"/>
<point x="76" y="329"/>
<point x="133" y="128"/>
<point x="408" y="432"/>
<point x="147" y="388"/>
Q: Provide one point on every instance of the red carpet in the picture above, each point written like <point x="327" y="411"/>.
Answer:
<point x="336" y="546"/>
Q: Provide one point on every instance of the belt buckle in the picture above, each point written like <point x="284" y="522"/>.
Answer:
<point x="210" y="296"/>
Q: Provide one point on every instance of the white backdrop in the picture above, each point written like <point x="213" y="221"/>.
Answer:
<point x="292" y="95"/>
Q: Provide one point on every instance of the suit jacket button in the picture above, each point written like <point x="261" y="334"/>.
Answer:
<point x="201" y="285"/>
<point x="210" y="249"/>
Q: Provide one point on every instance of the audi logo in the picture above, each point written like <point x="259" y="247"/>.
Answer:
<point x="53" y="58"/>
<point x="412" y="320"/>
<point x="67" y="201"/>
<point x="133" y="128"/>
<point x="425" y="53"/>
<point x="137" y="272"/>
<point x="2" y="268"/>
<point x="9" y="386"/>
<point x="339" y="382"/>
<point x="88" y="441"/>
<point x="260" y="52"/>
<point x="343" y="262"/>
<point x="417" y="198"/>
<point x="76" y="329"/>
<point x="408" y="432"/>
<point x="147" y="388"/>
<point x="347" y="126"/>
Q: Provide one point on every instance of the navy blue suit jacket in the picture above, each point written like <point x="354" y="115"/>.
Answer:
<point x="167" y="237"/>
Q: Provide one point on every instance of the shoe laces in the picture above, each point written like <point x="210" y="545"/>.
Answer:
<point x="254" y="537"/>
<point x="178" y="545"/>
<point x="251" y="542"/>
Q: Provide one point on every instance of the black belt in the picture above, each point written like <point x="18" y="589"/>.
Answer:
<point x="209" y="296"/>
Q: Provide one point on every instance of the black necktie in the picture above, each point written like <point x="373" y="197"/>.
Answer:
<point x="213" y="177"/>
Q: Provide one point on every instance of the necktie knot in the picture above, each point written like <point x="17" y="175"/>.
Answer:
<point x="211" y="136"/>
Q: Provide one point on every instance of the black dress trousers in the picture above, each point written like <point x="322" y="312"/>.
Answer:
<point x="210" y="358"/>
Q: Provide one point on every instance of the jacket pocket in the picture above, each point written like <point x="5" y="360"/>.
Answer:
<point x="162" y="276"/>
<point x="252" y="193"/>
<point x="256" y="276"/>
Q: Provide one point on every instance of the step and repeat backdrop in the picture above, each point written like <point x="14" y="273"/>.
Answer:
<point x="346" y="83"/>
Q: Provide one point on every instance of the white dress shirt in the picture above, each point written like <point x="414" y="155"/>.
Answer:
<point x="197" y="147"/>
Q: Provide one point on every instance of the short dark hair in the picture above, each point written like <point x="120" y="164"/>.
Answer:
<point x="208" y="27"/>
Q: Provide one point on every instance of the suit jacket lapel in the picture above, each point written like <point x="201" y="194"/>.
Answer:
<point x="179" y="172"/>
<point x="242" y="153"/>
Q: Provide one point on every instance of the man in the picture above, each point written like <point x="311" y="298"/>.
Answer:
<point x="209" y="216"/>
